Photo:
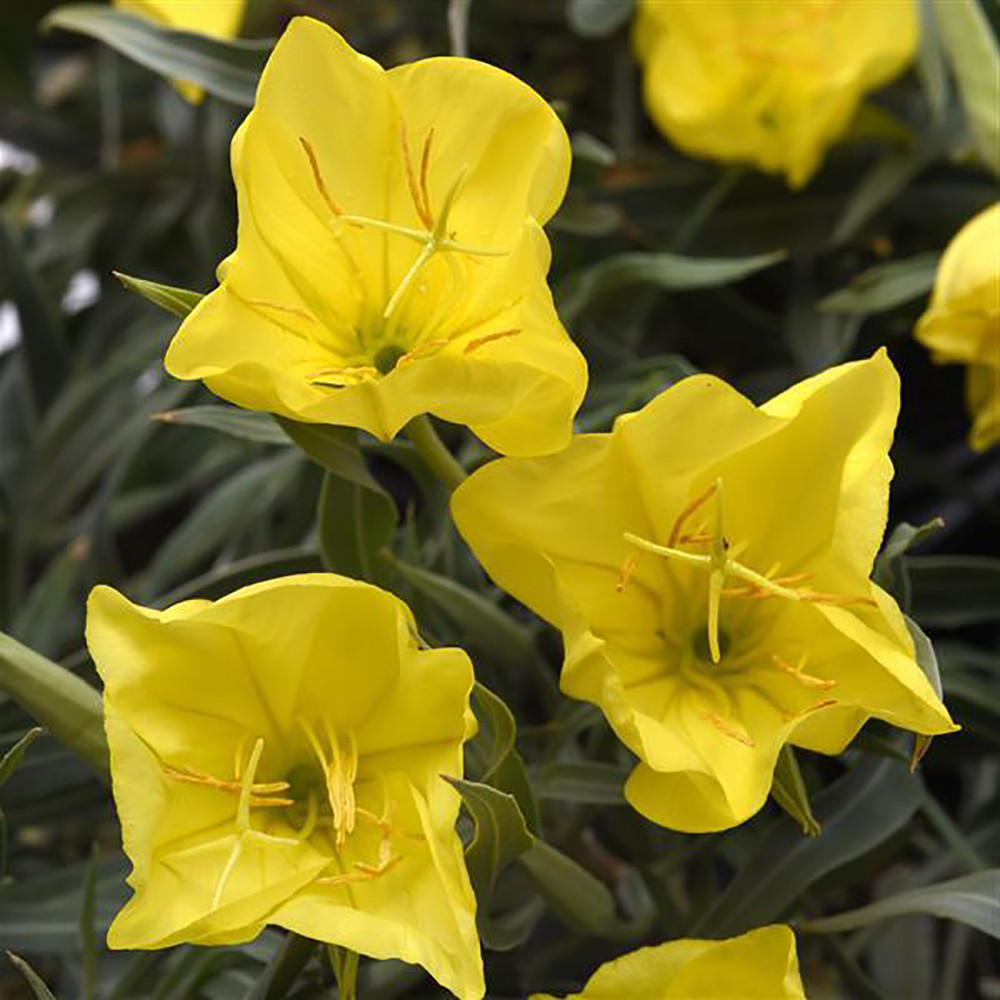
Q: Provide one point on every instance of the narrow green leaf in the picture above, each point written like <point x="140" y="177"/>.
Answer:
<point x="859" y="811"/>
<point x="954" y="591"/>
<point x="974" y="56"/>
<point x="972" y="899"/>
<point x="69" y="708"/>
<point x="12" y="758"/>
<point x="495" y="739"/>
<point x="277" y="979"/>
<point x="227" y="69"/>
<point x="580" y="900"/>
<point x="179" y="301"/>
<point x="355" y="524"/>
<point x="583" y="782"/>
<point x="244" y="424"/>
<point x="927" y="661"/>
<point x="884" y="286"/>
<point x="789" y="791"/>
<point x="234" y="504"/>
<point x="38" y="987"/>
<point x="500" y="835"/>
<point x="88" y="935"/>
<point x="597" y="18"/>
<point x="42" y="337"/>
<point x="487" y="631"/>
<point x="582" y="290"/>
<point x="217" y="583"/>
<point x="890" y="568"/>
<point x="891" y="174"/>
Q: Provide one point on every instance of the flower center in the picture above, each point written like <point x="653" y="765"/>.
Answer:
<point x="315" y="795"/>
<point x="721" y="564"/>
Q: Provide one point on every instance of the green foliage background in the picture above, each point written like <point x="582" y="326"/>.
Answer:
<point x="110" y="471"/>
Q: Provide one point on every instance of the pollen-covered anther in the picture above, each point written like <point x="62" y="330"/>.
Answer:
<point x="477" y="342"/>
<point x="798" y="672"/>
<point x="262" y="794"/>
<point x="809" y="709"/>
<point x="728" y="729"/>
<point x="343" y="375"/>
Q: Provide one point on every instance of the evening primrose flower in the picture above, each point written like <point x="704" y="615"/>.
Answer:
<point x="768" y="82"/>
<point x="759" y="965"/>
<point x="708" y="565"/>
<point x="390" y="259"/>
<point x="277" y="758"/>
<point x="963" y="321"/>
<point x="215" y="18"/>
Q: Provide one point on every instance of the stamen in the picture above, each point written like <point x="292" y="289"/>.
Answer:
<point x="727" y="729"/>
<point x="425" y="158"/>
<point x="798" y="672"/>
<point x="687" y="511"/>
<point x="423" y="212"/>
<point x="318" y="178"/>
<point x="627" y="570"/>
<point x="477" y="342"/>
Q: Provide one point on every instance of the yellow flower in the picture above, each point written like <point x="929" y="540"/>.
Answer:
<point x="770" y="82"/>
<point x="759" y="965"/>
<point x="277" y="759"/>
<point x="963" y="321"/>
<point x="749" y="619"/>
<point x="216" y="18"/>
<point x="390" y="259"/>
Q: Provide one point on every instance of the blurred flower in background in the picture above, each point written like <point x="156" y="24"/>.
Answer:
<point x="963" y="321"/>
<point x="769" y="82"/>
<point x="216" y="18"/>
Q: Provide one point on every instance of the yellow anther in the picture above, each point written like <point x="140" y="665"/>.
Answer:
<point x="798" y="672"/>
<point x="477" y="342"/>
<point x="318" y="178"/>
<point x="728" y="729"/>
<point x="340" y="771"/>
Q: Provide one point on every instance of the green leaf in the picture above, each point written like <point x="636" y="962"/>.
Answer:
<point x="973" y="900"/>
<point x="582" y="290"/>
<point x="488" y="749"/>
<point x="974" y="56"/>
<point x="858" y="812"/>
<point x="179" y="301"/>
<point x="42" y="336"/>
<point x="500" y="835"/>
<point x="38" y="987"/>
<point x="583" y="782"/>
<point x="890" y="175"/>
<point x="355" y="524"/>
<point x="244" y="424"/>
<point x="487" y="631"/>
<point x="884" y="286"/>
<point x="231" y="506"/>
<point x="227" y="69"/>
<point x="927" y="661"/>
<point x="580" y="900"/>
<point x="890" y="568"/>
<point x="69" y="708"/>
<point x="789" y="791"/>
<point x="597" y="18"/>
<point x="954" y="591"/>
<point x="88" y="935"/>
<point x="12" y="758"/>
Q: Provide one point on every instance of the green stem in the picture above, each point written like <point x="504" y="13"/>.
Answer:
<point x="279" y="977"/>
<point x="345" y="968"/>
<point x="705" y="207"/>
<point x="431" y="449"/>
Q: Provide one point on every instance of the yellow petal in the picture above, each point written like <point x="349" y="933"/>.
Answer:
<point x="772" y="82"/>
<point x="759" y="965"/>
